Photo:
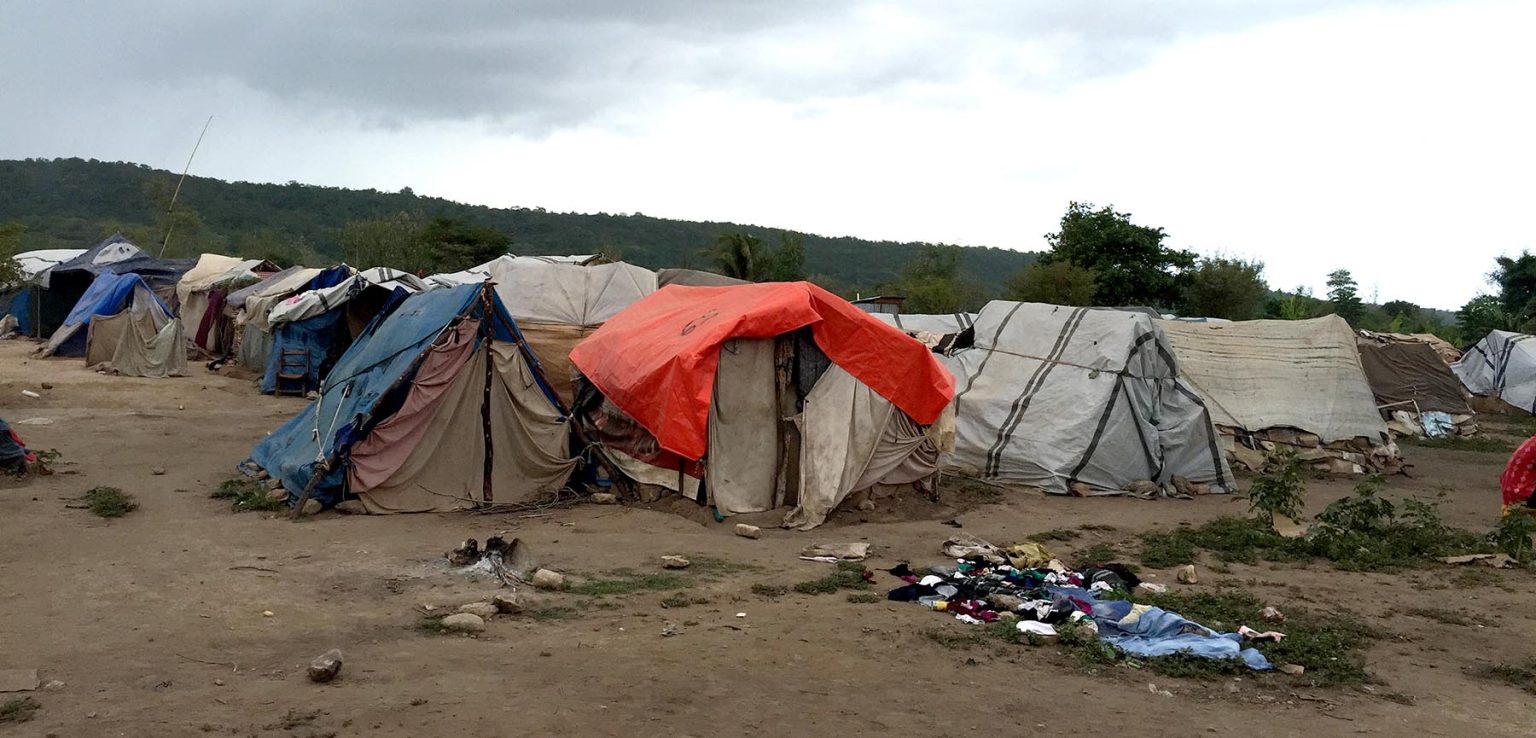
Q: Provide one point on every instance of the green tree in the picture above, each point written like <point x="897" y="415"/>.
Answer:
<point x="1132" y="264"/>
<point x="1222" y="287"/>
<point x="1054" y="283"/>
<point x="1296" y="305"/>
<point x="1516" y="280"/>
<point x="1344" y="295"/>
<point x="10" y="245"/>
<point x="787" y="262"/>
<point x="453" y="245"/>
<point x="178" y="229"/>
<point x="1482" y="315"/>
<point x="394" y="241"/>
<point x="739" y="255"/>
<point x="931" y="283"/>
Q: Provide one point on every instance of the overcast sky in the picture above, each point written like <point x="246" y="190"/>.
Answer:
<point x="1393" y="139"/>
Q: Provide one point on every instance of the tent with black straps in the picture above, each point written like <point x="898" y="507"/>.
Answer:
<point x="1080" y="400"/>
<point x="437" y="406"/>
<point x="1501" y="366"/>
<point x="317" y="325"/>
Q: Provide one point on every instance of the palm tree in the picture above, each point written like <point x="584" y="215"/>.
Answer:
<point x="738" y="255"/>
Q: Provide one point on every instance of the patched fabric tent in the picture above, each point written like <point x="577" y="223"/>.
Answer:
<point x="1502" y="366"/>
<point x="63" y="284"/>
<point x="1286" y="383"/>
<point x="1408" y="377"/>
<point x="251" y="306"/>
<point x="438" y="406"/>
<point x="202" y="291"/>
<point x="1053" y="397"/>
<point x="119" y="322"/>
<point x="319" y="324"/>
<point x="786" y="393"/>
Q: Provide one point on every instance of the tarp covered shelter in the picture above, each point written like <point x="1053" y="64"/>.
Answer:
<point x="942" y="324"/>
<point x="1501" y="365"/>
<point x="250" y="306"/>
<point x="1294" y="383"/>
<point x="202" y="291"/>
<point x="788" y="393"/>
<point x="20" y="300"/>
<point x="1053" y="396"/>
<point x="120" y="322"/>
<point x="437" y="406"/>
<point x="64" y="283"/>
<point x="322" y="321"/>
<point x="1410" y="375"/>
<point x="695" y="278"/>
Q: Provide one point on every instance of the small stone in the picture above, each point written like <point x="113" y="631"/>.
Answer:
<point x="748" y="531"/>
<point x="1006" y="603"/>
<point x="267" y="613"/>
<point x="1008" y="617"/>
<point x="464" y="622"/>
<point x="274" y="483"/>
<point x="1187" y="575"/>
<point x="741" y="614"/>
<point x="1271" y="615"/>
<point x="510" y="604"/>
<point x="674" y="562"/>
<point x="277" y="495"/>
<point x="351" y="507"/>
<point x="311" y="507"/>
<point x="1183" y="485"/>
<point x="218" y="682"/>
<point x="867" y="505"/>
<point x="326" y="666"/>
<point x="650" y="493"/>
<point x="1079" y="489"/>
<point x="158" y="471"/>
<point x="1199" y="489"/>
<point x="546" y="579"/>
<point x="1142" y="488"/>
<point x="262" y="474"/>
<point x="485" y="610"/>
<point x="605" y="498"/>
<point x="1292" y="669"/>
<point x="47" y="385"/>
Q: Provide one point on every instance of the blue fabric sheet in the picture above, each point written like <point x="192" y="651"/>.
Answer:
<point x="108" y="294"/>
<point x="1158" y="632"/>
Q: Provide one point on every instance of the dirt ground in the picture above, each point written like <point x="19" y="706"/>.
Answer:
<point x="154" y="622"/>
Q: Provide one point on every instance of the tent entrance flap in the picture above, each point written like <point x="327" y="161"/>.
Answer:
<point x="742" y="470"/>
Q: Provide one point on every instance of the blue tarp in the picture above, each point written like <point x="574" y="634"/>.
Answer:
<point x="108" y="294"/>
<point x="314" y="335"/>
<point x="19" y="304"/>
<point x="358" y="391"/>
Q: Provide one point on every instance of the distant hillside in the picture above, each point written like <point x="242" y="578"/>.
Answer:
<point x="74" y="202"/>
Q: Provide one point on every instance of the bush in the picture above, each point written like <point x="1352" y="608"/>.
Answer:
<point x="1281" y="491"/>
<point x="110" y="502"/>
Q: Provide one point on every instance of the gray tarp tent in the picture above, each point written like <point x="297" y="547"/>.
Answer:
<point x="1050" y="396"/>
<point x="1502" y="365"/>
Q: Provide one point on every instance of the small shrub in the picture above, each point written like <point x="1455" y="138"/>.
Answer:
<point x="769" y="590"/>
<point x="849" y="575"/>
<point x="1281" y="491"/>
<point x="1513" y="536"/>
<point x="110" y="502"/>
<point x="18" y="710"/>
<point x="864" y="598"/>
<point x="245" y="495"/>
<point x="1520" y="674"/>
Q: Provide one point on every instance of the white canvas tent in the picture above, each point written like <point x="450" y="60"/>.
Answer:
<point x="1502" y="365"/>
<point x="212" y="272"/>
<point x="1295" y="383"/>
<point x="34" y="263"/>
<point x="918" y="323"/>
<point x="1053" y="397"/>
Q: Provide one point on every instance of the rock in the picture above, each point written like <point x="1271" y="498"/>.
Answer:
<point x="510" y="604"/>
<point x="218" y="682"/>
<point x="1008" y="617"/>
<point x="1183" y="485"/>
<point x="1079" y="489"/>
<point x="1142" y="488"/>
<point x="261" y="475"/>
<point x="47" y="385"/>
<point x="674" y="562"/>
<point x="1187" y="575"/>
<point x="1292" y="669"/>
<point x="748" y="531"/>
<point x="464" y="622"/>
<point x="311" y="507"/>
<point x="605" y="498"/>
<point x="1271" y="615"/>
<point x="867" y="505"/>
<point x="485" y="610"/>
<point x="158" y="471"/>
<point x="650" y="493"/>
<point x="546" y="579"/>
<point x="53" y="685"/>
<point x="351" y="507"/>
<point x="325" y="667"/>
<point x="277" y="495"/>
<point x="30" y="393"/>
<point x="1005" y="602"/>
<point x="267" y="613"/>
<point x="274" y="483"/>
<point x="1199" y="489"/>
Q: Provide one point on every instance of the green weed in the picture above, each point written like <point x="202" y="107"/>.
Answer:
<point x="245" y="495"/>
<point x="1098" y="553"/>
<point x="849" y="575"/>
<point x="1281" y="491"/>
<point x="864" y="598"/>
<point x="769" y="590"/>
<point x="18" y="710"/>
<point x="110" y="502"/>
<point x="1520" y="674"/>
<point x="1058" y="534"/>
<point x="1513" y="536"/>
<point x="625" y="581"/>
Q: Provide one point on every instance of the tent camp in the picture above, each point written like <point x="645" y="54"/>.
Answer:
<point x="201" y="294"/>
<point x="1078" y="400"/>
<point x="557" y="302"/>
<point x="249" y="307"/>
<point x="774" y="394"/>
<point x="1291" y="383"/>
<point x="20" y="300"/>
<point x="438" y="406"/>
<point x="941" y="324"/>
<point x="64" y="283"/>
<point x="313" y="328"/>
<point x="1408" y="379"/>
<point x="120" y="322"/>
<point x="694" y="278"/>
<point x="1502" y="366"/>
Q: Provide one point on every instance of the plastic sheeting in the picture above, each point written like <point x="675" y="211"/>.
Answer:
<point x="1411" y="372"/>
<point x="1501" y="365"/>
<point x="656" y="360"/>
<point x="694" y="278"/>
<point x="143" y="345"/>
<point x="314" y="302"/>
<point x="941" y="324"/>
<point x="1053" y="395"/>
<point x="840" y="427"/>
<point x="108" y="294"/>
<point x="568" y="294"/>
<point x="1260" y="374"/>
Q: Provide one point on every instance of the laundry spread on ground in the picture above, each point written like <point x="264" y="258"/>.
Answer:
<point x="1026" y="585"/>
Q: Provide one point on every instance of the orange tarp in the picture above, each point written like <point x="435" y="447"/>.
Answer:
<point x="656" y="359"/>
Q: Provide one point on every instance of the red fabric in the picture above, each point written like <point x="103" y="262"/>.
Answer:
<point x="656" y="360"/>
<point x="29" y="455"/>
<point x="1519" y="478"/>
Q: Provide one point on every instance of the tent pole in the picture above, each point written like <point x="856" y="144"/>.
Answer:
<point x="314" y="479"/>
<point x="171" y="225"/>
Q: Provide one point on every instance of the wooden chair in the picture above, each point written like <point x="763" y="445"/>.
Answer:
<point x="292" y="372"/>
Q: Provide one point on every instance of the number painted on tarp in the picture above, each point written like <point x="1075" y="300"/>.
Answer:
<point x="696" y="322"/>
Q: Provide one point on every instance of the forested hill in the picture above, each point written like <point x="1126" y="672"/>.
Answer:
<point x="73" y="203"/>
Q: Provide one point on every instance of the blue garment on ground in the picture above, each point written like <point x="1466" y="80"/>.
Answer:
<point x="1161" y="633"/>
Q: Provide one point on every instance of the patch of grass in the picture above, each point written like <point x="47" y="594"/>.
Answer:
<point x="1186" y="666"/>
<point x="18" y="710"/>
<point x="110" y="502"/>
<point x="1520" y="674"/>
<point x="682" y="599"/>
<point x="1164" y="550"/>
<point x="1058" y="534"/>
<point x="1448" y="617"/>
<point x="1477" y="576"/>
<point x="849" y="575"/>
<point x="982" y="491"/>
<point x="1098" y="553"/>
<point x="547" y="614"/>
<point x="956" y="638"/>
<point x="1085" y="648"/>
<point x="864" y="598"/>
<point x="713" y="567"/>
<point x="1100" y="527"/>
<point x="245" y="495"/>
<point x="769" y="590"/>
<point x="625" y="581"/>
<point x="1474" y="444"/>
